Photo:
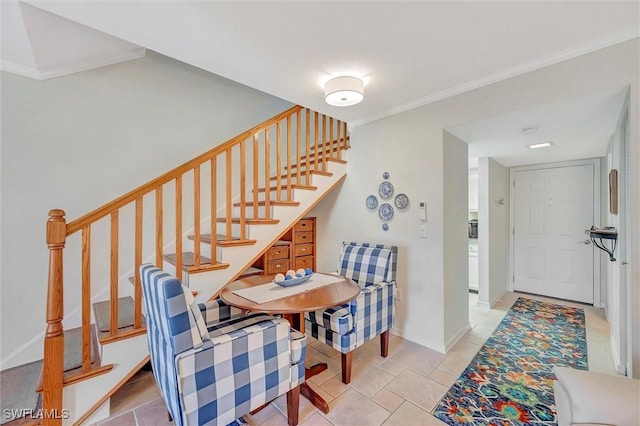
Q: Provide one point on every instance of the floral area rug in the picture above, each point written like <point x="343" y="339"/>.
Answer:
<point x="510" y="382"/>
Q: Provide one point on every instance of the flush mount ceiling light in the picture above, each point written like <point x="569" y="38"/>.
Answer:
<point x="540" y="145"/>
<point x="344" y="91"/>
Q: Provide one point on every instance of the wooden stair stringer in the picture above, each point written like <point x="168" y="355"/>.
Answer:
<point x="239" y="258"/>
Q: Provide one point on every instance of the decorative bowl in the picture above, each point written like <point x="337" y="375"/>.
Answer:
<point x="294" y="281"/>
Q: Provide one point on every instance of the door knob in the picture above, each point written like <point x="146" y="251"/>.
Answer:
<point x="585" y="242"/>
<point x="624" y="262"/>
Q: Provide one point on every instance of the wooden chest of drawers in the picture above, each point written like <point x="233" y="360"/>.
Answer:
<point x="277" y="258"/>
<point x="303" y="237"/>
<point x="296" y="249"/>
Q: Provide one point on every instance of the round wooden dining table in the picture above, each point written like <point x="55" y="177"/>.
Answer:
<point x="293" y="308"/>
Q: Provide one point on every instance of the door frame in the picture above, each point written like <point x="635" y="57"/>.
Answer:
<point x="595" y="162"/>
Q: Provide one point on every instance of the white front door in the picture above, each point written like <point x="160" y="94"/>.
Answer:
<point x="552" y="254"/>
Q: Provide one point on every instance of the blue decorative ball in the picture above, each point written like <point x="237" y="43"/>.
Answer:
<point x="308" y="271"/>
<point x="299" y="275"/>
<point x="287" y="277"/>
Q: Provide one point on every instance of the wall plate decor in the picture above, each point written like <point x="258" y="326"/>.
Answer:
<point x="371" y="202"/>
<point x="385" y="212"/>
<point x="385" y="226"/>
<point x="401" y="201"/>
<point x="385" y="190"/>
<point x="385" y="176"/>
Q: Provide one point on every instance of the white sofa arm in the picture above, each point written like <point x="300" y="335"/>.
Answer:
<point x="595" y="398"/>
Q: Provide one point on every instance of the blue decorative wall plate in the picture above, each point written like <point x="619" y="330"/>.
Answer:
<point x="385" y="226"/>
<point x="371" y="202"/>
<point x="385" y="190"/>
<point x="385" y="211"/>
<point x="401" y="201"/>
<point x="385" y="175"/>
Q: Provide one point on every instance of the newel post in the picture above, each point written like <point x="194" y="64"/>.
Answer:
<point x="53" y="370"/>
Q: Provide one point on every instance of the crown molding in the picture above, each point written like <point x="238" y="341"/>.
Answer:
<point x="78" y="66"/>
<point x="563" y="55"/>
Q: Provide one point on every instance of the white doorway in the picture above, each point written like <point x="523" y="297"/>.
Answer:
<point x="552" y="207"/>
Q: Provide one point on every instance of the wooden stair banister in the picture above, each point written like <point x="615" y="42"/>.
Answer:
<point x="52" y="368"/>
<point x="256" y="172"/>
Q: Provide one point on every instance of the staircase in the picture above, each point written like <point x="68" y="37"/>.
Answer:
<point x="206" y="222"/>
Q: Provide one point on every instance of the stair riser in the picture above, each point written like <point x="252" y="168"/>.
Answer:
<point x="205" y="249"/>
<point x="273" y="195"/>
<point x="235" y="229"/>
<point x="249" y="212"/>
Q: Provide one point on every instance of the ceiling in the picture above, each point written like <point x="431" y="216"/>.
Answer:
<point x="578" y="128"/>
<point x="409" y="53"/>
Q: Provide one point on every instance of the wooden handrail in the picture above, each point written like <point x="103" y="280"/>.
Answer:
<point x="125" y="199"/>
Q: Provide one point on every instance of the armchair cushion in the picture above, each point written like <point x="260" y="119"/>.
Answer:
<point x="585" y="397"/>
<point x="364" y="264"/>
<point x="214" y="311"/>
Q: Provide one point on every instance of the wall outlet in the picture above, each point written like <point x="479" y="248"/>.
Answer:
<point x="422" y="231"/>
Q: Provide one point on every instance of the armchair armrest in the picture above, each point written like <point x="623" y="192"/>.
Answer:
<point x="596" y="398"/>
<point x="365" y="309"/>
<point x="214" y="311"/>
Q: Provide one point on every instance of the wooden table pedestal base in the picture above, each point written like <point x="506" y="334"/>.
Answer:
<point x="308" y="392"/>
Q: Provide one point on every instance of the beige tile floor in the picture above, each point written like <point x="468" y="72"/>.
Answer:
<point x="401" y="389"/>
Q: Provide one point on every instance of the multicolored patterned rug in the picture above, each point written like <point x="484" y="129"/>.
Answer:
<point x="509" y="382"/>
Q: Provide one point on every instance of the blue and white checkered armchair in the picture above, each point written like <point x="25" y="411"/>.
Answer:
<point x="348" y="326"/>
<point x="213" y="364"/>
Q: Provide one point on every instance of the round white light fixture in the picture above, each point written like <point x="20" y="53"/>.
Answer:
<point x="344" y="91"/>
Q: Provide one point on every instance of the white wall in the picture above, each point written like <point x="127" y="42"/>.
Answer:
<point x="493" y="238"/>
<point x="615" y="272"/>
<point x="456" y="238"/>
<point x="473" y="189"/>
<point x="77" y="142"/>
<point x="410" y="146"/>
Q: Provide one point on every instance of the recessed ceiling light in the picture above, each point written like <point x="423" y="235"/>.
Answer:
<point x="540" y="145"/>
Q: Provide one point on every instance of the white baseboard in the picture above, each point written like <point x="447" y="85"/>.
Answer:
<point x="620" y="368"/>
<point x="456" y="337"/>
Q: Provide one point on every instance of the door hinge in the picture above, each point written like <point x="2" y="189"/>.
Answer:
<point x="513" y="184"/>
<point x="513" y="278"/>
<point x="513" y="231"/>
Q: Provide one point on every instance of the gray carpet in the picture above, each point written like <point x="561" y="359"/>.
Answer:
<point x="19" y="383"/>
<point x="18" y="390"/>
<point x="73" y="348"/>
<point x="102" y="311"/>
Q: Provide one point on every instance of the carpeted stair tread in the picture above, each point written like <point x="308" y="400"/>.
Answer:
<point x="73" y="348"/>
<point x="18" y="390"/>
<point x="188" y="259"/>
<point x="102" y="312"/>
